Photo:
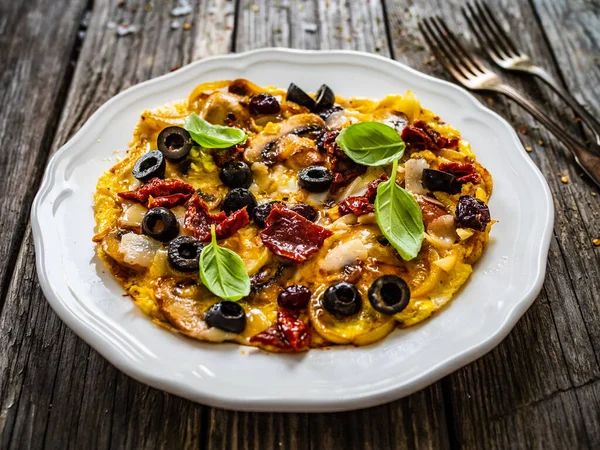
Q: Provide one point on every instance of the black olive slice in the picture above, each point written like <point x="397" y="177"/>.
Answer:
<point x="236" y="174"/>
<point x="297" y="95"/>
<point x="325" y="98"/>
<point x="184" y="253"/>
<point x="342" y="299"/>
<point x="436" y="180"/>
<point x="175" y="143"/>
<point x="389" y="294"/>
<point x="238" y="198"/>
<point x="161" y="224"/>
<point x="315" y="178"/>
<point x="150" y="165"/>
<point x="226" y="316"/>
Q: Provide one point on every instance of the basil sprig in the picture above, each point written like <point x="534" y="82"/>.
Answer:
<point x="399" y="217"/>
<point x="371" y="143"/>
<point x="222" y="271"/>
<point x="207" y="135"/>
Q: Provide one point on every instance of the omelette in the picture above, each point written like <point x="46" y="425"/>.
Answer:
<point x="288" y="221"/>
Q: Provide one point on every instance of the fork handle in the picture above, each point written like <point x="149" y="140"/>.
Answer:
<point x="585" y="115"/>
<point x="587" y="160"/>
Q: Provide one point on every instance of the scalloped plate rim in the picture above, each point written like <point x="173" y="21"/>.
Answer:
<point x="302" y="403"/>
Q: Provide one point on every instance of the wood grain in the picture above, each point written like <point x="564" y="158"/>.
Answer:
<point x="56" y="392"/>
<point x="525" y="393"/>
<point x="539" y="389"/>
<point x="34" y="79"/>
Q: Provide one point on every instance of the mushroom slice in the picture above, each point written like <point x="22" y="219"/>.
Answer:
<point x="365" y="327"/>
<point x="294" y="152"/>
<point x="183" y="303"/>
<point x="299" y="124"/>
<point x="224" y="108"/>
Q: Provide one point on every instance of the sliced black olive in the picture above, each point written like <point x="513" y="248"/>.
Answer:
<point x="175" y="143"/>
<point x="226" y="316"/>
<point x="297" y="95"/>
<point x="161" y="224"/>
<point x="306" y="211"/>
<point x="342" y="299"/>
<point x="184" y="253"/>
<point x="436" y="180"/>
<point x="389" y="294"/>
<point x="325" y="98"/>
<point x="315" y="178"/>
<point x="262" y="211"/>
<point x="238" y="198"/>
<point x="294" y="297"/>
<point x="472" y="213"/>
<point x="263" y="104"/>
<point x="236" y="174"/>
<point x="150" y="165"/>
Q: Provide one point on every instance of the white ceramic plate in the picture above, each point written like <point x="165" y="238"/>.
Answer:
<point x="505" y="281"/>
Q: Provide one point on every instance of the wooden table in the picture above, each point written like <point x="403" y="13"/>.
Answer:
<point x="61" y="60"/>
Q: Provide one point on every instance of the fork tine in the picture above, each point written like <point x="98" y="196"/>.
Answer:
<point x="485" y="40"/>
<point x="499" y="36"/>
<point x="509" y="42"/>
<point x="440" y="53"/>
<point x="470" y="60"/>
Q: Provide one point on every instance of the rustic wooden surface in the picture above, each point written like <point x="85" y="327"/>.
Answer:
<point x="540" y="388"/>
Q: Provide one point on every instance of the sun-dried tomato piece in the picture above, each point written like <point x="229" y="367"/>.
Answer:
<point x="373" y="185"/>
<point x="291" y="236"/>
<point x="232" y="223"/>
<point x="168" y="201"/>
<point x="167" y="193"/>
<point x="416" y="137"/>
<point x="198" y="220"/>
<point x="355" y="205"/>
<point x="222" y="156"/>
<point x="464" y="173"/>
<point x="343" y="168"/>
<point x="421" y="136"/>
<point x="289" y="333"/>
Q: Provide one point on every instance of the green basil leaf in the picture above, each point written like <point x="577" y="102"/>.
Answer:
<point x="399" y="217"/>
<point x="207" y="135"/>
<point x="371" y="143"/>
<point x="222" y="271"/>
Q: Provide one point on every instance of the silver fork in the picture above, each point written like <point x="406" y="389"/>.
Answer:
<point x="471" y="73"/>
<point x="502" y="50"/>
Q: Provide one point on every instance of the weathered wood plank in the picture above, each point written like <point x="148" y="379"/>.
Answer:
<point x="56" y="392"/>
<point x="33" y="80"/>
<point x="519" y="395"/>
<point x="417" y="421"/>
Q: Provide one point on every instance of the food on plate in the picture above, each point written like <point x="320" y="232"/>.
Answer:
<point x="289" y="221"/>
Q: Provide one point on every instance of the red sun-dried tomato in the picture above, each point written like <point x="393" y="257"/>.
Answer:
<point x="167" y="193"/>
<point x="343" y="168"/>
<point x="291" y="236"/>
<point x="362" y="204"/>
<point x="355" y="205"/>
<point x="289" y="333"/>
<point x="235" y="221"/>
<point x="373" y="185"/>
<point x="421" y="136"/>
<point x="464" y="173"/>
<point x="198" y="220"/>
